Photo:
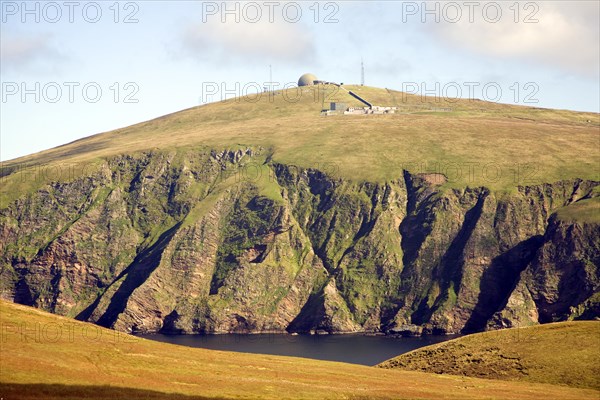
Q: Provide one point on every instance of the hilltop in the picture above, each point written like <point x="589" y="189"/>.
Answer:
<point x="472" y="142"/>
<point x="51" y="357"/>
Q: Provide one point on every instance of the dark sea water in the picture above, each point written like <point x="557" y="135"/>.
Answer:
<point x="356" y="349"/>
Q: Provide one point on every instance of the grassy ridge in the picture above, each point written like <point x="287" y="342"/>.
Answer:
<point x="47" y="356"/>
<point x="474" y="143"/>
<point x="566" y="353"/>
<point x="587" y="210"/>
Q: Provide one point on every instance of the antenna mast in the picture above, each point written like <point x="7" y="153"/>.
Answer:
<point x="269" y="85"/>
<point x="362" y="73"/>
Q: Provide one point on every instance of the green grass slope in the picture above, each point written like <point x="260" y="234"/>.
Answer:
<point x="565" y="353"/>
<point x="473" y="143"/>
<point x="47" y="356"/>
<point x="587" y="210"/>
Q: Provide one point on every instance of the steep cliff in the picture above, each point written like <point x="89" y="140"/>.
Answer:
<point x="227" y="240"/>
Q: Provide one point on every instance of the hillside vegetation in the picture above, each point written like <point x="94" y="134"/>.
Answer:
<point x="51" y="357"/>
<point x="473" y="143"/>
<point x="566" y="353"/>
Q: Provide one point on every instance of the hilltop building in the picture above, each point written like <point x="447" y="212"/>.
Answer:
<point x="308" y="80"/>
<point x="336" y="107"/>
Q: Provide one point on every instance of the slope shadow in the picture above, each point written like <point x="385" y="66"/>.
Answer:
<point x="415" y="226"/>
<point x="450" y="269"/>
<point x="500" y="280"/>
<point x="136" y="274"/>
<point x="57" y="391"/>
<point x="311" y="315"/>
<point x="23" y="293"/>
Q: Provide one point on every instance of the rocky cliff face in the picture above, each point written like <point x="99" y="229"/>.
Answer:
<point x="228" y="241"/>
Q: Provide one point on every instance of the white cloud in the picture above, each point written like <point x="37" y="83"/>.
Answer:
<point x="565" y="36"/>
<point x="20" y="51"/>
<point x="250" y="42"/>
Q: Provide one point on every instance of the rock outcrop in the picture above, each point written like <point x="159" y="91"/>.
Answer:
<point x="228" y="241"/>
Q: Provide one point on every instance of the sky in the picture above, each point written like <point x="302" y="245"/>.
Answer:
<point x="70" y="69"/>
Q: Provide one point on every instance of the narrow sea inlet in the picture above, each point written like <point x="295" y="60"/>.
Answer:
<point x="355" y="349"/>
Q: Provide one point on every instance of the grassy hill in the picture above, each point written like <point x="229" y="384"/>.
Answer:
<point x="473" y="143"/>
<point x="47" y="356"/>
<point x="565" y="353"/>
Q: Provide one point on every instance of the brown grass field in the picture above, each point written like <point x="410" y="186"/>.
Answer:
<point x="44" y="356"/>
<point x="566" y="353"/>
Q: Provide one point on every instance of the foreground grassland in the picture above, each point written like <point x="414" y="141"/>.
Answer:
<point x="566" y="353"/>
<point x="473" y="143"/>
<point x="47" y="356"/>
